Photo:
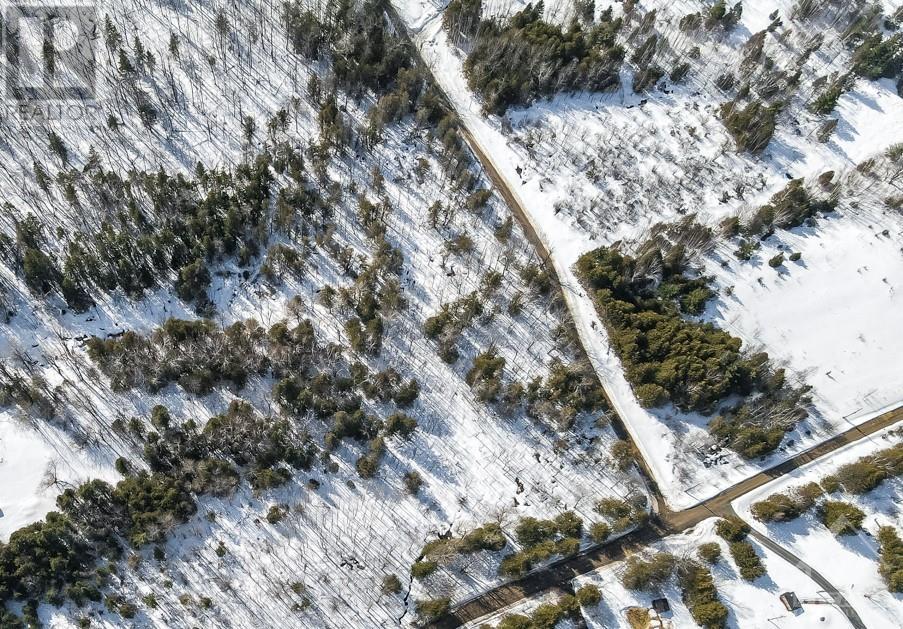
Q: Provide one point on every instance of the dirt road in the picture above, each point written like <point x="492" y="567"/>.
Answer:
<point x="559" y="574"/>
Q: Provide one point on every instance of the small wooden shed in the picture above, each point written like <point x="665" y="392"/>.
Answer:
<point x="791" y="602"/>
<point x="661" y="605"/>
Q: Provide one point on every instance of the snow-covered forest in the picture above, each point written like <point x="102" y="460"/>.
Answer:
<point x="342" y="313"/>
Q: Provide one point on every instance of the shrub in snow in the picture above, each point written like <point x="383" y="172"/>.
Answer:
<point x="391" y="584"/>
<point x="806" y="495"/>
<point x="276" y="513"/>
<point x="589" y="596"/>
<point x="782" y="507"/>
<point x="891" y="552"/>
<point x="516" y="564"/>
<point x="485" y="375"/>
<point x="622" y="514"/>
<point x="567" y="547"/>
<point x="546" y="615"/>
<point x="638" y="617"/>
<point x="831" y="484"/>
<point x="735" y="531"/>
<point x="487" y="537"/>
<point x="732" y="529"/>
<point x="400" y="424"/>
<point x="700" y="595"/>
<point x="531" y="531"/>
<point x="749" y="563"/>
<point x="867" y="473"/>
<point x="368" y="464"/>
<point x="268" y="478"/>
<point x="751" y="126"/>
<point x="127" y="609"/>
<point x="776" y="508"/>
<point x="412" y="482"/>
<point x="841" y="518"/>
<point x="599" y="532"/>
<point x="640" y="574"/>
<point x="710" y="552"/>
<point x="423" y="569"/>
<point x="569" y="524"/>
<point x="679" y="72"/>
<point x="613" y="508"/>
<point x="432" y="609"/>
<point x="622" y="452"/>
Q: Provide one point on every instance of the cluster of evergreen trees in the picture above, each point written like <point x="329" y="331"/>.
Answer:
<point x="648" y="573"/>
<point x="701" y="596"/>
<point x="717" y="15"/>
<point x="646" y="303"/>
<point x="488" y="537"/>
<point x="364" y="52"/>
<point x="891" y="554"/>
<point x="793" y="206"/>
<point x="160" y="227"/>
<point x="310" y="378"/>
<point x="734" y="532"/>
<point x="515" y="61"/>
<point x="859" y="477"/>
<point x="67" y="556"/>
<point x="446" y="326"/>
<point x="171" y="228"/>
<point x="751" y="126"/>
<point x="550" y="614"/>
<point x="878" y="57"/>
<point x="542" y="539"/>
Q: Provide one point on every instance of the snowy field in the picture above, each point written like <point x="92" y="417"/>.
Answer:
<point x="595" y="169"/>
<point x="36" y="463"/>
<point x="849" y="563"/>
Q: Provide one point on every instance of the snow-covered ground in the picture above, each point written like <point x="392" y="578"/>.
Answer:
<point x="36" y="463"/>
<point x="594" y="169"/>
<point x="323" y="564"/>
<point x="340" y="540"/>
<point x="751" y="604"/>
<point x="834" y="315"/>
<point x="849" y="563"/>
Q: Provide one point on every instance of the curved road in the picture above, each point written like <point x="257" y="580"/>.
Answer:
<point x="558" y="575"/>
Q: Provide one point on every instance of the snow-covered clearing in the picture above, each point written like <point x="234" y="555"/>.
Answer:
<point x="591" y="170"/>
<point x="36" y="462"/>
<point x="834" y="315"/>
<point x="850" y="563"/>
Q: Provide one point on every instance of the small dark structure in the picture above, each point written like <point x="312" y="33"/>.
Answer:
<point x="661" y="605"/>
<point x="791" y="602"/>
